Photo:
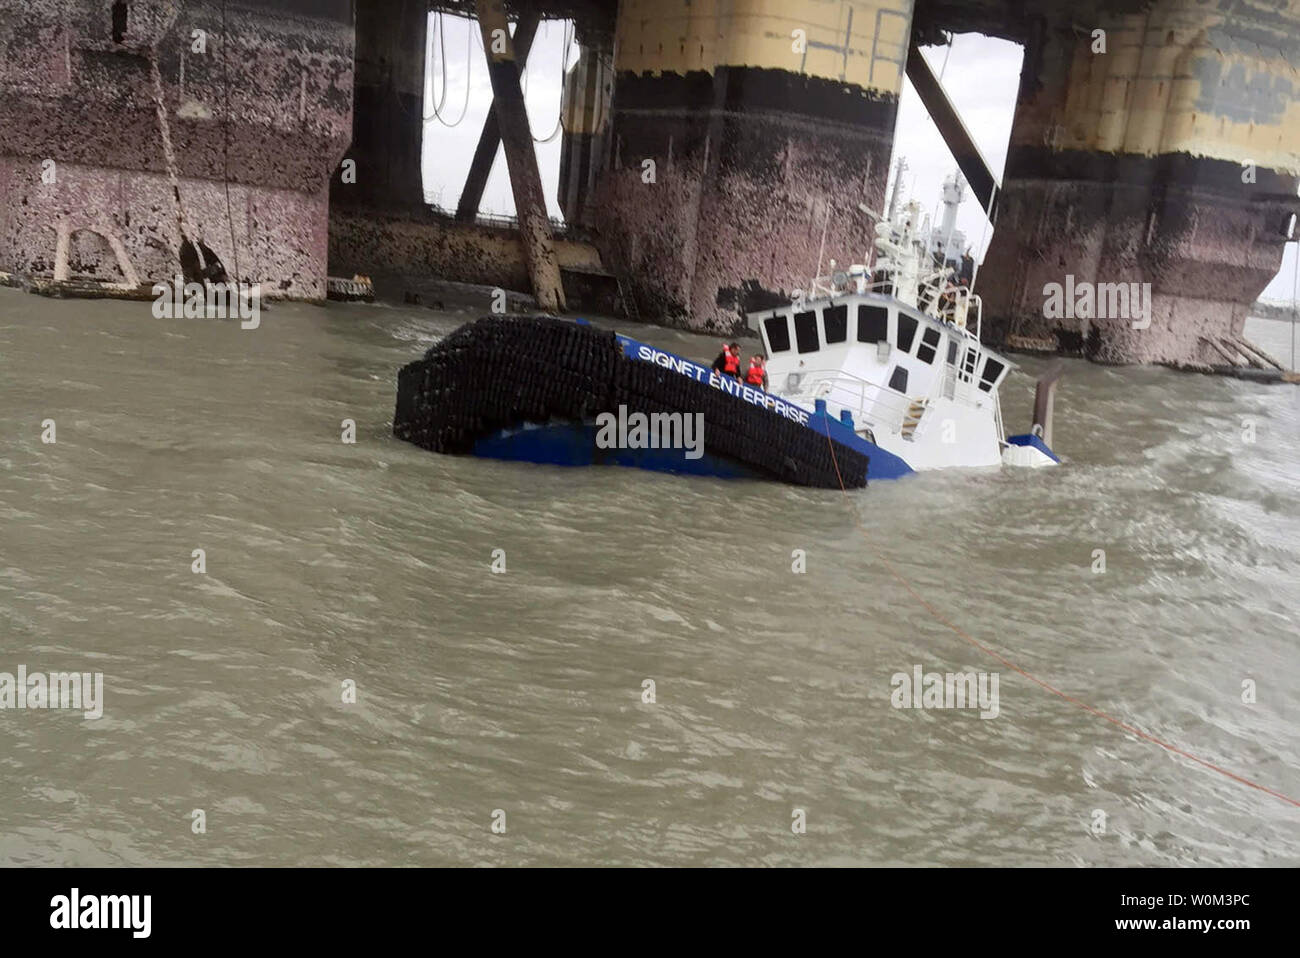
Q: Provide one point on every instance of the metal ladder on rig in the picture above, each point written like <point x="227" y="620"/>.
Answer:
<point x="912" y="418"/>
<point x="1239" y="352"/>
<point x="629" y="304"/>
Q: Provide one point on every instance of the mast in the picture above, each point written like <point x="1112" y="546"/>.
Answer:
<point x="898" y="183"/>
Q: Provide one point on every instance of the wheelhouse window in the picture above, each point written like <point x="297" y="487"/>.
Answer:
<point x="906" y="332"/>
<point x="898" y="379"/>
<point x="805" y="331"/>
<point x="836" y="321"/>
<point x="778" y="333"/>
<point x="992" y="370"/>
<point x="929" y="345"/>
<point x="873" y="324"/>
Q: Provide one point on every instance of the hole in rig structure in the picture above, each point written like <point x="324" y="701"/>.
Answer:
<point x="119" y="21"/>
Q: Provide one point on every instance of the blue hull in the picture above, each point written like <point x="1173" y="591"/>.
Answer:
<point x="574" y="444"/>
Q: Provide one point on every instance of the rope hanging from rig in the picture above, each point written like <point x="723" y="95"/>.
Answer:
<point x="225" y="146"/>
<point x="169" y="158"/>
<point x="442" y="60"/>
<point x="564" y="71"/>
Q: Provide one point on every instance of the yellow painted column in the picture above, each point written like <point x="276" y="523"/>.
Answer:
<point x="740" y="133"/>
<point x="1160" y="149"/>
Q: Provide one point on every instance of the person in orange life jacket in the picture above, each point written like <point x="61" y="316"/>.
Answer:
<point x="728" y="361"/>
<point x="757" y="375"/>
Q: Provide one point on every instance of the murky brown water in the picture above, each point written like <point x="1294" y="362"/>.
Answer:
<point x="1281" y="340"/>
<point x="522" y="692"/>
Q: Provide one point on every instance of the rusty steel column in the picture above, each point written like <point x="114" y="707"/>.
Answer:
<point x="521" y="158"/>
<point x="480" y="168"/>
<point x="1161" y="168"/>
<point x="586" y="113"/>
<point x="388" y="109"/>
<point x="970" y="160"/>
<point x="739" y="133"/>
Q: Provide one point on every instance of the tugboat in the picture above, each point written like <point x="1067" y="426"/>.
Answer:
<point x="874" y="373"/>
<point x="896" y="349"/>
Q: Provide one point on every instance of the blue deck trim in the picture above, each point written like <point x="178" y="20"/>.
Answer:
<point x="1029" y="439"/>
<point x="645" y="353"/>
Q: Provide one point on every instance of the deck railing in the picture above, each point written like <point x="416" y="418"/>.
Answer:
<point x="870" y="403"/>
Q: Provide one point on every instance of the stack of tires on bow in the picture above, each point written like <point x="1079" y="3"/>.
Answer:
<point x="503" y="372"/>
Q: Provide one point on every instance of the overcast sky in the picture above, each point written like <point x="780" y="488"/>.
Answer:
<point x="981" y="75"/>
<point x="452" y="134"/>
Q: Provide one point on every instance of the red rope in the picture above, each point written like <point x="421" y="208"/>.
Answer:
<point x="940" y="617"/>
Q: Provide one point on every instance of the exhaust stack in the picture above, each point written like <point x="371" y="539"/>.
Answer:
<point x="1044" y="398"/>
